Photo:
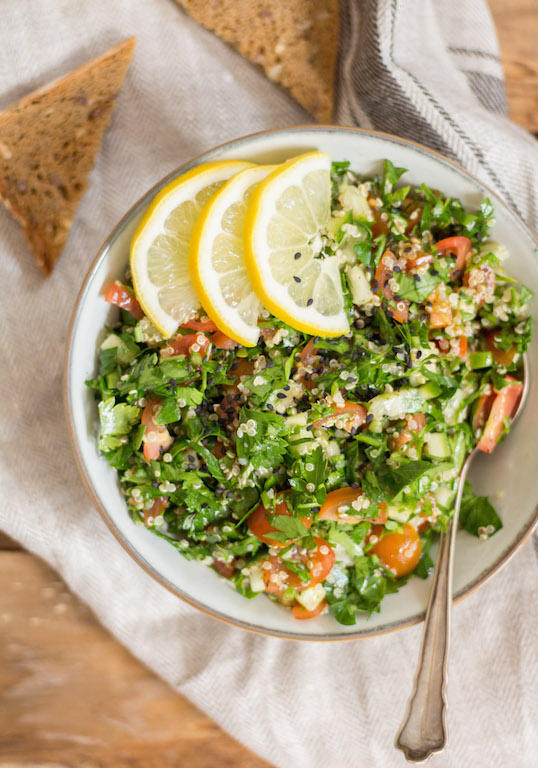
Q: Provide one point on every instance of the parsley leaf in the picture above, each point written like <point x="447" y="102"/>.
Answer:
<point x="417" y="290"/>
<point x="115" y="420"/>
<point x="477" y="513"/>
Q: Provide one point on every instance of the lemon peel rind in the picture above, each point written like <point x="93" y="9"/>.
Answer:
<point x="201" y="243"/>
<point x="305" y="319"/>
<point x="190" y="183"/>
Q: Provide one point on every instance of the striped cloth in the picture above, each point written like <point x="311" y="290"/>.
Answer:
<point x="428" y="71"/>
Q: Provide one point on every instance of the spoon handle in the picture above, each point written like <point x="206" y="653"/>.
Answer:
<point x="424" y="730"/>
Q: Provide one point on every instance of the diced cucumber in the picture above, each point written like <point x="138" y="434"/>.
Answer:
<point x="124" y="355"/>
<point x="430" y="390"/>
<point x="480" y="360"/>
<point x="359" y="286"/>
<point x="436" y="444"/>
<point x="310" y="598"/>
<point x="353" y="198"/>
<point x="400" y="512"/>
<point x="394" y="405"/>
<point x="444" y="496"/>
<point x="255" y="575"/>
<point x="334" y="224"/>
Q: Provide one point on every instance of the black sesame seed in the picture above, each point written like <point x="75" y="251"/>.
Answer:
<point x="434" y="271"/>
<point x="390" y="314"/>
<point x="396" y="268"/>
<point x="355" y="485"/>
<point x="408" y="249"/>
<point x="270" y="407"/>
<point x="386" y="282"/>
<point x="310" y="427"/>
<point x="234" y="366"/>
<point x="237" y="397"/>
<point x="369" y="418"/>
<point x="456" y="273"/>
<point x="297" y="255"/>
<point x="231" y="410"/>
<point x="155" y="484"/>
<point x="219" y="368"/>
<point x="269" y="363"/>
<point x="229" y="398"/>
<point x="204" y="505"/>
<point x="191" y="467"/>
<point x="374" y="285"/>
<point x="297" y="278"/>
<point x="416" y="278"/>
<point x="281" y="395"/>
<point x="418" y="354"/>
<point x="297" y="358"/>
<point x="191" y="458"/>
<point x="286" y="388"/>
<point x="387" y="454"/>
<point x="383" y="304"/>
<point x="309" y="302"/>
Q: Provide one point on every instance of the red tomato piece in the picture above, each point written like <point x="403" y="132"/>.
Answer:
<point x="482" y="410"/>
<point x="300" y="612"/>
<point x="159" y="505"/>
<point x="319" y="562"/>
<point x="462" y="346"/>
<point x="382" y="275"/>
<point x="418" y="260"/>
<point x="343" y="497"/>
<point x="309" y="352"/>
<point x="186" y="345"/>
<point x="258" y="522"/>
<point x="414" y="423"/>
<point x="397" y="551"/>
<point x="439" y="311"/>
<point x="200" y="325"/>
<point x="482" y="281"/>
<point x="459" y="248"/>
<point x="501" y="356"/>
<point x="157" y="438"/>
<point x="355" y="415"/>
<point x="120" y="296"/>
<point x="380" y="227"/>
<point x="221" y="341"/>
<point x="504" y="407"/>
<point x="224" y="569"/>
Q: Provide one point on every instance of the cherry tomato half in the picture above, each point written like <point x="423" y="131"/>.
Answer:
<point x="343" y="497"/>
<point x="355" y="415"/>
<point x="221" y="341"/>
<point x="200" y="325"/>
<point x="319" y="562"/>
<point x="458" y="247"/>
<point x="300" y="612"/>
<point x="398" y="551"/>
<point x="382" y="275"/>
<point x="503" y="408"/>
<point x="258" y="522"/>
<point x="121" y="297"/>
<point x="186" y="345"/>
<point x="157" y="438"/>
<point x="501" y="356"/>
<point x="414" y="423"/>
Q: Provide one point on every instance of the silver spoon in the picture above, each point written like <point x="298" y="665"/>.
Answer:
<point x="424" y="731"/>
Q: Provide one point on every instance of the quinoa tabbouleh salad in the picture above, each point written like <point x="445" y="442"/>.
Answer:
<point x="315" y="467"/>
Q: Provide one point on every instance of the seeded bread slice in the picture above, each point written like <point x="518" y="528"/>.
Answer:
<point x="295" y="41"/>
<point x="48" y="144"/>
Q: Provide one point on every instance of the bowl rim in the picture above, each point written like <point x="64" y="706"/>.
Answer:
<point x="521" y="537"/>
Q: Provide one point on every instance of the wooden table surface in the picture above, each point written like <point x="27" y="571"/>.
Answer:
<point x="70" y="695"/>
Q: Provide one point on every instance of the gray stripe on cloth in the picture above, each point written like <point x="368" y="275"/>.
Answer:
<point x="375" y="99"/>
<point x="489" y="90"/>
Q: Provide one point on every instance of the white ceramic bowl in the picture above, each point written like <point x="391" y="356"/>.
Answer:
<point x="509" y="473"/>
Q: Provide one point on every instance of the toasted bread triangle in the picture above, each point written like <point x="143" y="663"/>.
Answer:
<point x="295" y="41"/>
<point x="49" y="141"/>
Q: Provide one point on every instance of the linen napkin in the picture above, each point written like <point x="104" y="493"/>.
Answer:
<point x="425" y="70"/>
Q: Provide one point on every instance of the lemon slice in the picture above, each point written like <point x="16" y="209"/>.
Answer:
<point x="160" y="247"/>
<point x="216" y="258"/>
<point x="283" y="227"/>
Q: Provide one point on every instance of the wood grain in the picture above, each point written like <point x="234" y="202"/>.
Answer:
<point x="517" y="28"/>
<point x="70" y="695"/>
